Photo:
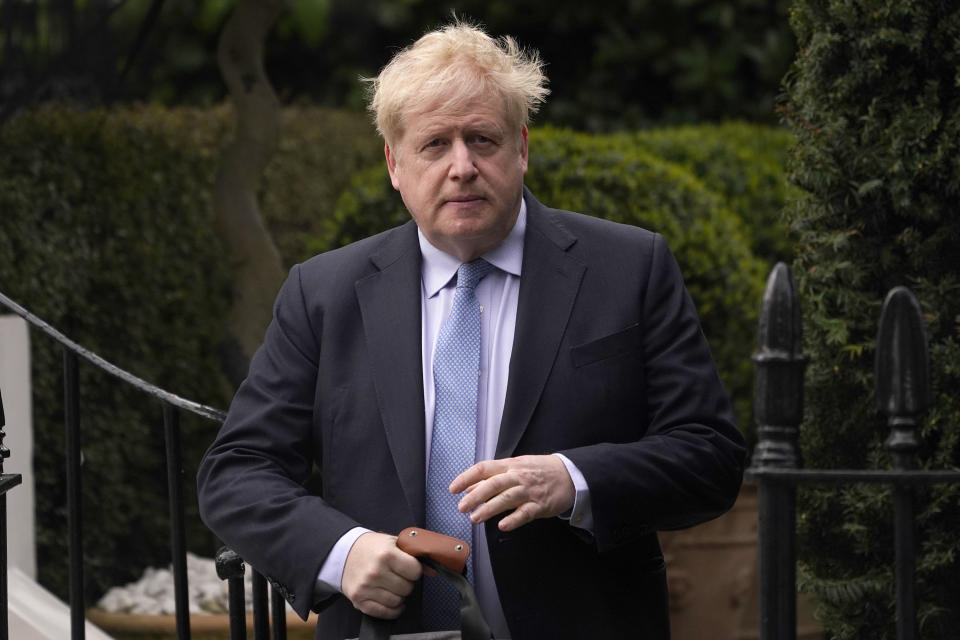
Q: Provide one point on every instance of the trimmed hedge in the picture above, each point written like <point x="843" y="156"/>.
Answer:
<point x="746" y="164"/>
<point x="105" y="233"/>
<point x="318" y="153"/>
<point x="611" y="177"/>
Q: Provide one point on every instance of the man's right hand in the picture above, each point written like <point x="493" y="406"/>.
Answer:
<point x="377" y="576"/>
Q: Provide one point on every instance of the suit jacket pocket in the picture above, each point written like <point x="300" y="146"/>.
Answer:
<point x="606" y="347"/>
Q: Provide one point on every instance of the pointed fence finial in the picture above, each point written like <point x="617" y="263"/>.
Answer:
<point x="778" y="394"/>
<point x="902" y="372"/>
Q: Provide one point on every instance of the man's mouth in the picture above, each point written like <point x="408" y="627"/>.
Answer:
<point x="464" y="199"/>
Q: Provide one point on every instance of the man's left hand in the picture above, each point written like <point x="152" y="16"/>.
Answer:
<point x="532" y="486"/>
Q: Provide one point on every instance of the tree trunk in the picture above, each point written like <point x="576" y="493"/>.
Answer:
<point x="257" y="269"/>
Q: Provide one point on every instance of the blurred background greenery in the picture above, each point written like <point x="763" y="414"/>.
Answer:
<point x="613" y="64"/>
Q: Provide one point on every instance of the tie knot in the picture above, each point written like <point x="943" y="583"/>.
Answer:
<point x="470" y="273"/>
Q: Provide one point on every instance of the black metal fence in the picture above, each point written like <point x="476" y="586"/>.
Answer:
<point x="903" y="393"/>
<point x="229" y="566"/>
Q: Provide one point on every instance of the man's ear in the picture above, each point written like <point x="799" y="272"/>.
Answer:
<point x="392" y="166"/>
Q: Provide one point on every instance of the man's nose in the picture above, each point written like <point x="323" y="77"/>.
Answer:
<point x="462" y="162"/>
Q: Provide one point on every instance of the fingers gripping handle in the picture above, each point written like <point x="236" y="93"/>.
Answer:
<point x="447" y="556"/>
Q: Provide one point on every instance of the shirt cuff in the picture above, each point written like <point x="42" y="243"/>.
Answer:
<point x="331" y="571"/>
<point x="581" y="514"/>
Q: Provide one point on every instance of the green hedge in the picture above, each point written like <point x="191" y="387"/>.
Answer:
<point x="874" y="99"/>
<point x="318" y="153"/>
<point x="612" y="177"/>
<point x="105" y="233"/>
<point x="746" y="164"/>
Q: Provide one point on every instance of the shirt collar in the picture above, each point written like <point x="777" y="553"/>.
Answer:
<point x="439" y="267"/>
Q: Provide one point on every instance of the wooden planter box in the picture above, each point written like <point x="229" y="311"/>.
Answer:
<point x="712" y="575"/>
<point x="126" y="626"/>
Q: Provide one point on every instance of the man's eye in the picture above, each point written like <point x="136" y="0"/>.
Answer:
<point x="436" y="142"/>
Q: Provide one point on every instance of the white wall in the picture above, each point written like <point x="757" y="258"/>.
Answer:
<point x="17" y="407"/>
<point x="36" y="614"/>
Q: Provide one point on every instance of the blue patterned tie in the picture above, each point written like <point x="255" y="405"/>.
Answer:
<point x="456" y="375"/>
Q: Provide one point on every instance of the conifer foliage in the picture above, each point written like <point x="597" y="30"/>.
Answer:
<point x="874" y="98"/>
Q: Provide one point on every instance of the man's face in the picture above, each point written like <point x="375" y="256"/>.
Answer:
<point x="460" y="174"/>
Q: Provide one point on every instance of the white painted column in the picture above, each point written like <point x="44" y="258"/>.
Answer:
<point x="17" y="408"/>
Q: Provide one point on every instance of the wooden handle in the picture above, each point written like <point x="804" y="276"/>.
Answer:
<point x="448" y="551"/>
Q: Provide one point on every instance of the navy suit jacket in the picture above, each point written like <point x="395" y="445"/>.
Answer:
<point x="609" y="367"/>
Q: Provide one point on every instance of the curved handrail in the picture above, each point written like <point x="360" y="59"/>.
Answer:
<point x="171" y="398"/>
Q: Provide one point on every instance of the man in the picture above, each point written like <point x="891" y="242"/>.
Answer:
<point x="597" y="416"/>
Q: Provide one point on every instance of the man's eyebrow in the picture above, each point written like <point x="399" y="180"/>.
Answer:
<point x="441" y="129"/>
<point x="431" y="131"/>
<point x="485" y="123"/>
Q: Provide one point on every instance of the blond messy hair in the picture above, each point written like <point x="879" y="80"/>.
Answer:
<point x="447" y="68"/>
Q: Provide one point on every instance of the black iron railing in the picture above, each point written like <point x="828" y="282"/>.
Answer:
<point x="172" y="406"/>
<point x="903" y="393"/>
<point x="230" y="568"/>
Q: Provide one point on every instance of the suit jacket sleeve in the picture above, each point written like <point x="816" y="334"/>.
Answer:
<point x="688" y="465"/>
<point x="250" y="481"/>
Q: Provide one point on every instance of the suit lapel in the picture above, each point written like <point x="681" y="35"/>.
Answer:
<point x="390" y="306"/>
<point x="548" y="288"/>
